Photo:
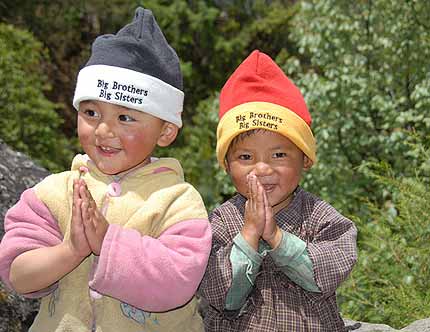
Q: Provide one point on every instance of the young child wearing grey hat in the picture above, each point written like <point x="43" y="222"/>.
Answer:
<point x="120" y="242"/>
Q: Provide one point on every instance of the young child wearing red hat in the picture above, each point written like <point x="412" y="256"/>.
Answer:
<point x="278" y="252"/>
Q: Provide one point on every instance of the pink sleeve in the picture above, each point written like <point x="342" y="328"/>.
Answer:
<point x="153" y="274"/>
<point x="28" y="225"/>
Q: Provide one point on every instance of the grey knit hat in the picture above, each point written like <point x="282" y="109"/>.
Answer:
<point x="136" y="68"/>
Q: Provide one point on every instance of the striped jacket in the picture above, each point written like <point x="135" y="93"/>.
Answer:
<point x="276" y="303"/>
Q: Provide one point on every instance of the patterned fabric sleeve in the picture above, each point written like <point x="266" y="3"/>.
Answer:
<point x="218" y="276"/>
<point x="332" y="250"/>
<point x="293" y="259"/>
<point x="291" y="256"/>
<point x="246" y="263"/>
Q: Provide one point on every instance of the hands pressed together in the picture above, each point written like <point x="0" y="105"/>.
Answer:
<point x="89" y="226"/>
<point x="259" y="221"/>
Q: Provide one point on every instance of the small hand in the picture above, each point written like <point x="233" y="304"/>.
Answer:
<point x="95" y="223"/>
<point x="77" y="241"/>
<point x="254" y="212"/>
<point x="272" y="233"/>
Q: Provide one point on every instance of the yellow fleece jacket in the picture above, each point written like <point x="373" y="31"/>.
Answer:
<point x="153" y="198"/>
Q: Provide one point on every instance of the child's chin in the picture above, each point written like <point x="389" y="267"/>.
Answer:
<point x="108" y="170"/>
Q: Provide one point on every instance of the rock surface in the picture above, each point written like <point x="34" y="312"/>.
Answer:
<point x="17" y="173"/>
<point x="422" y="325"/>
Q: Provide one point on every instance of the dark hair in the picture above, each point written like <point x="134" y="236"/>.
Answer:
<point x="240" y="137"/>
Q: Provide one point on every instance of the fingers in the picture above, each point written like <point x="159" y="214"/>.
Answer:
<point x="77" y="240"/>
<point x="256" y="194"/>
<point x="89" y="209"/>
<point x="89" y="226"/>
<point x="94" y="222"/>
<point x="270" y="223"/>
<point x="76" y="206"/>
<point x="272" y="233"/>
<point x="267" y="208"/>
<point x="87" y="215"/>
<point x="84" y="193"/>
<point x="254" y="208"/>
<point x="80" y="200"/>
<point x="251" y="192"/>
<point x="260" y="199"/>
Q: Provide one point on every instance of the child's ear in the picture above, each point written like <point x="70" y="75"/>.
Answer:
<point x="227" y="166"/>
<point x="169" y="131"/>
<point x="307" y="163"/>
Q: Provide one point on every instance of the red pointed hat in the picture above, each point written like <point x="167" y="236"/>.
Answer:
<point x="259" y="95"/>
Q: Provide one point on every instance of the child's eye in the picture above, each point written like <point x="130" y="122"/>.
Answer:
<point x="90" y="113"/>
<point x="126" y="118"/>
<point x="245" y="156"/>
<point x="279" y="155"/>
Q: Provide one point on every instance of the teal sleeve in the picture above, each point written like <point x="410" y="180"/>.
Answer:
<point x="290" y="255"/>
<point x="245" y="263"/>
<point x="293" y="259"/>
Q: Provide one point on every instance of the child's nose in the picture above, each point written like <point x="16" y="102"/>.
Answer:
<point x="263" y="169"/>
<point x="104" y="129"/>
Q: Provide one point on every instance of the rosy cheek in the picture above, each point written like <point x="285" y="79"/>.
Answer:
<point x="133" y="137"/>
<point x="133" y="140"/>
<point x="132" y="132"/>
<point x="83" y="136"/>
<point x="130" y="136"/>
<point x="84" y="129"/>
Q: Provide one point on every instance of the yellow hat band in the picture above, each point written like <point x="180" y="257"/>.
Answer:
<point x="263" y="115"/>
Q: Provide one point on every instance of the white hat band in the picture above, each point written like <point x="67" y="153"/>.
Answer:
<point x="130" y="89"/>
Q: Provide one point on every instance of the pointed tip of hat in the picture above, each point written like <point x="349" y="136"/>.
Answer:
<point x="257" y="55"/>
<point x="263" y="64"/>
<point x="259" y="78"/>
<point x="139" y="46"/>
<point x="253" y="57"/>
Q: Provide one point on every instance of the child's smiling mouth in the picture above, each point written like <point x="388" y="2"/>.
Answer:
<point x="107" y="150"/>
<point x="268" y="187"/>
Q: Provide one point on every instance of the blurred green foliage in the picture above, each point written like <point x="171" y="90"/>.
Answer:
<point x="391" y="280"/>
<point x="361" y="65"/>
<point x="28" y="120"/>
<point x="367" y="86"/>
<point x="198" y="157"/>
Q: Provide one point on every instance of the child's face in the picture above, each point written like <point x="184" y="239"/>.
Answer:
<point x="273" y="158"/>
<point x="117" y="138"/>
